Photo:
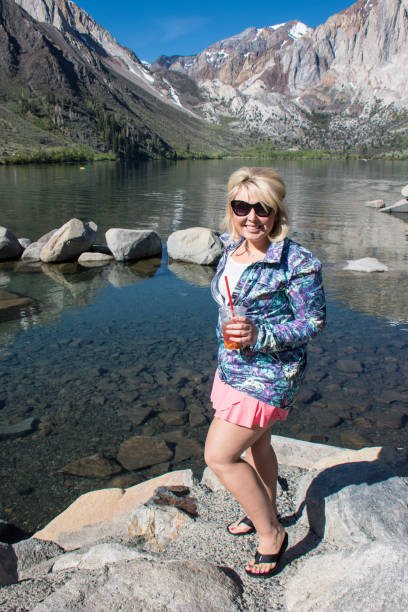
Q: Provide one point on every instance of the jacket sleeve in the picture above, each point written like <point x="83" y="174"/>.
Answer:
<point x="307" y="301"/>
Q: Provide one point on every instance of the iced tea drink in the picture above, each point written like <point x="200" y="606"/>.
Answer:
<point x="227" y="317"/>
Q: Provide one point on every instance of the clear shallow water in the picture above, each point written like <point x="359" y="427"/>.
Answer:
<point x="94" y="345"/>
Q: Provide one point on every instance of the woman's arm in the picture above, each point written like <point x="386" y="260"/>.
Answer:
<point x="307" y="301"/>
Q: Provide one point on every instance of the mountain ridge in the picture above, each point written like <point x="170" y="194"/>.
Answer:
<point x="338" y="83"/>
<point x="337" y="86"/>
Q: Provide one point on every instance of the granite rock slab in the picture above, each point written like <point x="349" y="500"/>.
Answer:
<point x="339" y="503"/>
<point x="371" y="578"/>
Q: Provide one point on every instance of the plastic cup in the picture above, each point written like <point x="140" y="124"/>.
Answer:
<point x="227" y="316"/>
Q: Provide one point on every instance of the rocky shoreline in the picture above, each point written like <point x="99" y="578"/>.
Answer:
<point x="163" y="544"/>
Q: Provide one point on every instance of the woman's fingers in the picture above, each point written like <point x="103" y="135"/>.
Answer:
<point x="242" y="330"/>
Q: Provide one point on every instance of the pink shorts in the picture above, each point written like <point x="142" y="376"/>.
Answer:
<point x="237" y="407"/>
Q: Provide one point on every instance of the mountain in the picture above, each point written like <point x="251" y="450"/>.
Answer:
<point x="64" y="80"/>
<point x="339" y="86"/>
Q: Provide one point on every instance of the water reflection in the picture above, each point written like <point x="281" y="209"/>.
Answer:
<point x="39" y="294"/>
<point x="201" y="276"/>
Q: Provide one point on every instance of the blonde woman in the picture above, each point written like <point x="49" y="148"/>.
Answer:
<point x="279" y="283"/>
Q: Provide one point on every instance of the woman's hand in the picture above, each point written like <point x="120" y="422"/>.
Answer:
<point x="241" y="329"/>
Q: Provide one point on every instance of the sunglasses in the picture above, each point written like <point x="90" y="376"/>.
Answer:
<point x="242" y="209"/>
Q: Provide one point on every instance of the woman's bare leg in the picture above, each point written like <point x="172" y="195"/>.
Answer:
<point x="261" y="456"/>
<point x="224" y="445"/>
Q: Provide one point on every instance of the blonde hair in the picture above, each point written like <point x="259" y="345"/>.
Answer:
<point x="268" y="187"/>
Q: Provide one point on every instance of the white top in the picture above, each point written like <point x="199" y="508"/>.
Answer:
<point x="233" y="271"/>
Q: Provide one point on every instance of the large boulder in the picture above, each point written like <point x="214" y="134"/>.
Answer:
<point x="147" y="584"/>
<point x="373" y="577"/>
<point x="32" y="252"/>
<point x="102" y="514"/>
<point x="198" y="245"/>
<point x="69" y="241"/>
<point x="131" y="244"/>
<point x="339" y="503"/>
<point x="10" y="248"/>
<point x="299" y="453"/>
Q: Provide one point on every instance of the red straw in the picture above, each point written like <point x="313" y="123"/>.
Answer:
<point x="229" y="295"/>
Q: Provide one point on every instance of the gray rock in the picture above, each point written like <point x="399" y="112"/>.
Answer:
<point x="130" y="244"/>
<point x="25" y="242"/>
<point x="69" y="241"/>
<point x="45" y="237"/>
<point x="33" y="552"/>
<point x="10" y="248"/>
<point x="366" y="264"/>
<point x="211" y="481"/>
<point x="355" y="503"/>
<point x="198" y="245"/>
<point x="94" y="466"/>
<point x="33" y="252"/>
<point x="371" y="578"/>
<point x="22" y="428"/>
<point x="300" y="453"/>
<point x="139" y="452"/>
<point x="158" y="525"/>
<point x="97" y="556"/>
<point x="147" y="584"/>
<point x="90" y="259"/>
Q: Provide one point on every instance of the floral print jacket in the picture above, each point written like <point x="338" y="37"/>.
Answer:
<point x="284" y="297"/>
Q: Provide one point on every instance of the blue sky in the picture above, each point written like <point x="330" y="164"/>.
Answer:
<point x="154" y="28"/>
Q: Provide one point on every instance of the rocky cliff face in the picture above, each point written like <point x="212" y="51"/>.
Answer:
<point x="73" y="80"/>
<point x="338" y="85"/>
<point x="70" y="19"/>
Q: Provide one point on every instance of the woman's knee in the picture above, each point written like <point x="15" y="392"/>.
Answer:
<point x="215" y="458"/>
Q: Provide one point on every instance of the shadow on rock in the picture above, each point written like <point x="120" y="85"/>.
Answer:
<point x="351" y="504"/>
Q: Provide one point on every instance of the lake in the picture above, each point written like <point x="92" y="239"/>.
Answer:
<point x="97" y="356"/>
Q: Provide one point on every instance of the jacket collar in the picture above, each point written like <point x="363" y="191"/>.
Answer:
<point x="272" y="255"/>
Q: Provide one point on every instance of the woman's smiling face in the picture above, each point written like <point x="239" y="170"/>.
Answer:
<point x="251" y="227"/>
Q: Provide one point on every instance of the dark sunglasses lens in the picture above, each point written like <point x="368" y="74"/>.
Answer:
<point x="260" y="211"/>
<point x="240" y="208"/>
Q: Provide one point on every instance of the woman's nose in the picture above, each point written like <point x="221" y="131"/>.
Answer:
<point x="252" y="215"/>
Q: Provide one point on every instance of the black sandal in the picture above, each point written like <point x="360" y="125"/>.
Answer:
<point x="275" y="558"/>
<point x="245" y="521"/>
